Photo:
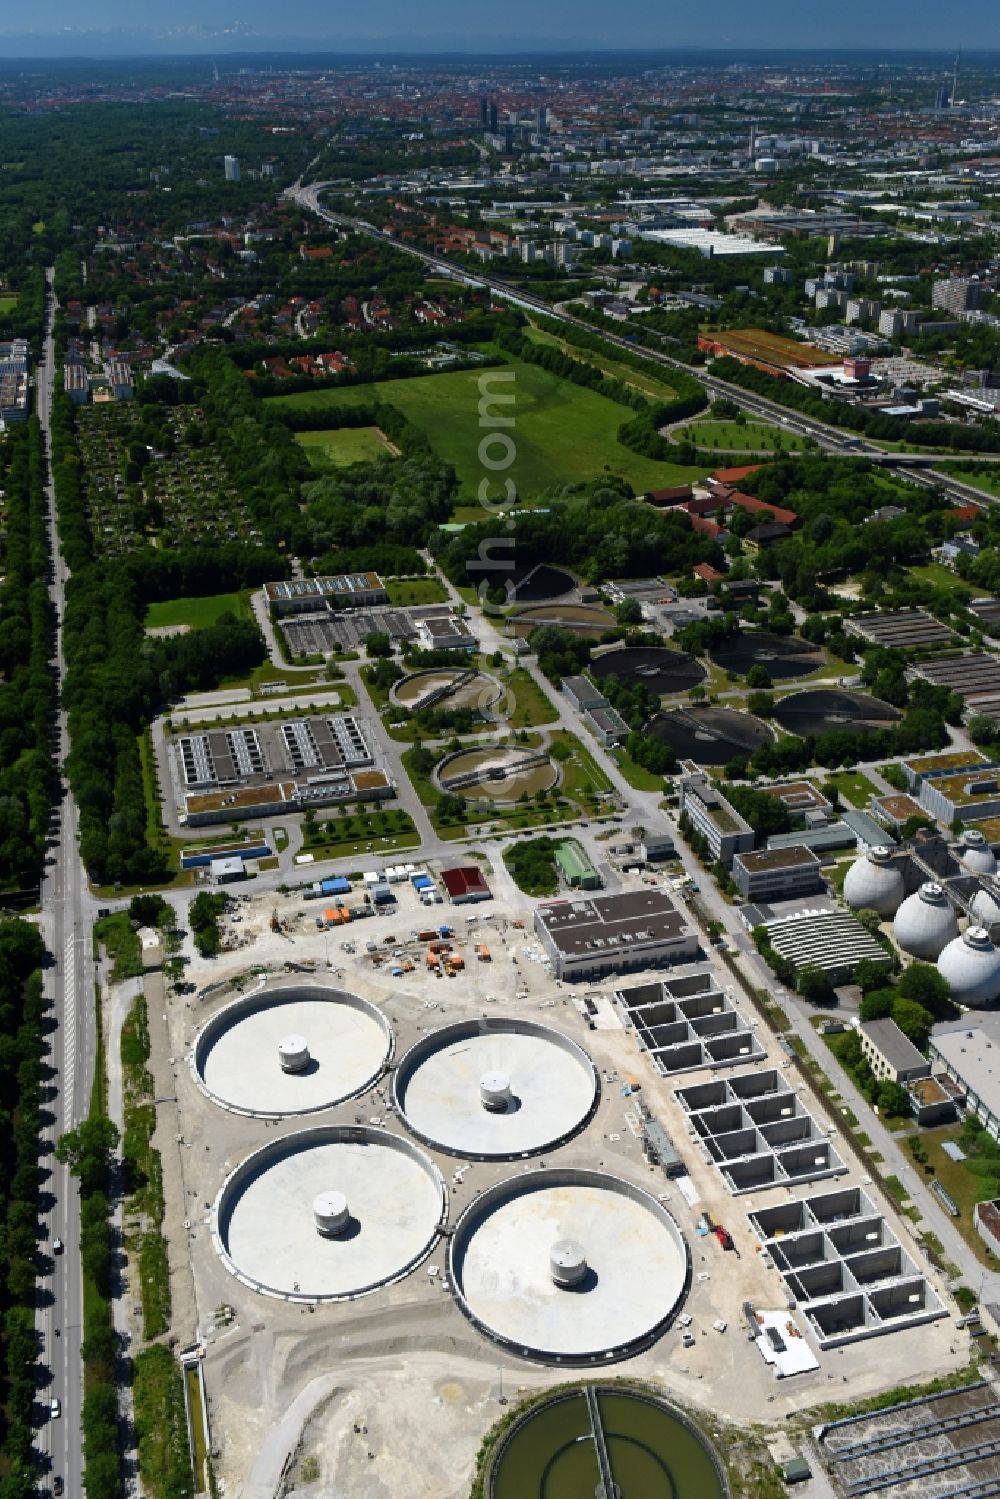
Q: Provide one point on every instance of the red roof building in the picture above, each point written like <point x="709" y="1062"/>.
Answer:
<point x="465" y="883"/>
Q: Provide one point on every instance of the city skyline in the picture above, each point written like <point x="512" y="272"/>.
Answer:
<point x="116" y="27"/>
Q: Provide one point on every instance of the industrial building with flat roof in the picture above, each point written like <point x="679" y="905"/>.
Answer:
<point x="777" y="873"/>
<point x="967" y="1050"/>
<point x="890" y="1054"/>
<point x="14" y="385"/>
<point x="721" y="826"/>
<point x="343" y="591"/>
<point x="614" y="934"/>
<point x="835" y="942"/>
<point x="256" y="770"/>
<point x="899" y="629"/>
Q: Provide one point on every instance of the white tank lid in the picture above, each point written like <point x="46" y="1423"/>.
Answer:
<point x="567" y="1262"/>
<point x="293" y="1053"/>
<point x="331" y="1213"/>
<point x="494" y="1091"/>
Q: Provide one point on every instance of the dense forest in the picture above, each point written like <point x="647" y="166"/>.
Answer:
<point x="600" y="530"/>
<point x="26" y="684"/>
<point x="23" y="1008"/>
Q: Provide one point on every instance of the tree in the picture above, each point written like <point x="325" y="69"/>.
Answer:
<point x="923" y="983"/>
<point x="758" y="677"/>
<point x="87" y="1151"/>
<point x="378" y="643"/>
<point x="870" y="920"/>
<point x="913" y="1020"/>
<point x="877" y="1006"/>
<point x="893" y="1099"/>
<point x="149" y="910"/>
<point x="814" y="985"/>
<point x="869" y="974"/>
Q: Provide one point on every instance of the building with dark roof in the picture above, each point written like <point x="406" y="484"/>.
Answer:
<point x="614" y="934"/>
<point x="466" y="883"/>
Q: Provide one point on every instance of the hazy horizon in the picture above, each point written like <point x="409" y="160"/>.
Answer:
<point x="119" y="28"/>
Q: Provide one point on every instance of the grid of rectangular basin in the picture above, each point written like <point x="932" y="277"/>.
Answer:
<point x="755" y="1130"/>
<point x="686" y="1023"/>
<point x="844" y="1267"/>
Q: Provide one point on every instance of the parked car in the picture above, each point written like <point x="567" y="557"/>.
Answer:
<point x="57" y="1246"/>
<point x="55" y="1409"/>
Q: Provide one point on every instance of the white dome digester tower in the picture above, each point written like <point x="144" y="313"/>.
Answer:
<point x="975" y="853"/>
<point x="971" y="965"/>
<point x="875" y="882"/>
<point x="985" y="910"/>
<point x="925" y="923"/>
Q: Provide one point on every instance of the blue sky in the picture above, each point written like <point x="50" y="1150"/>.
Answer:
<point x="455" y="24"/>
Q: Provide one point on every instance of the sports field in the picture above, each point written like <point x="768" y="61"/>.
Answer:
<point x="339" y="447"/>
<point x="195" y="613"/>
<point x="561" y="433"/>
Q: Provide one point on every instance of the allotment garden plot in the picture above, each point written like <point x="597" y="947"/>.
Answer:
<point x="136" y="498"/>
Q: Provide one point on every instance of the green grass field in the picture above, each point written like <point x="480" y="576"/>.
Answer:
<point x="340" y="447"/>
<point x="7" y="302"/>
<point x="196" y="612"/>
<point x="988" y="482"/>
<point x="854" y="787"/>
<point x="405" y="591"/>
<point x="659" y="389"/>
<point x="561" y="431"/>
<point x="755" y="437"/>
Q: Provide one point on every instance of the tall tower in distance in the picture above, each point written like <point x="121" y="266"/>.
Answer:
<point x="232" y="166"/>
<point x="484" y="112"/>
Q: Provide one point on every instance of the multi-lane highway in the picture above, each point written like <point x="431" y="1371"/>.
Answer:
<point x="919" y="467"/>
<point x="67" y="916"/>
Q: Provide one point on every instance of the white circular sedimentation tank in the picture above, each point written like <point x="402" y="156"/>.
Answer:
<point x="976" y="854"/>
<point x="986" y="909"/>
<point x="330" y="1046"/>
<point x="495" y="1089"/>
<point x="293" y="1054"/>
<point x="568" y="1266"/>
<point x="925" y="923"/>
<point x="282" y="1230"/>
<point x="875" y="882"/>
<point x="971" y="965"/>
<point x="331" y="1214"/>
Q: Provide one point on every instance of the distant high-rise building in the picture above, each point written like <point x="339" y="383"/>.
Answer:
<point x="494" y="117"/>
<point x="484" y="112"/>
<point x="541" y="119"/>
<point x="232" y="166"/>
<point x="957" y="294"/>
<point x="942" y="99"/>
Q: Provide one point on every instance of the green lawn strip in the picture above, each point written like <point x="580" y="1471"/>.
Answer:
<point x="197" y="613"/>
<point x="339" y="447"/>
<point x="638" y="379"/>
<point x="336" y="837"/>
<point x="637" y="776"/>
<point x="144" y="1172"/>
<point x="528" y="705"/>
<point x="963" y="1186"/>
<point x="407" y="591"/>
<point x="987" y="480"/>
<point x="853" y="787"/>
<point x="754" y="437"/>
<point x="161" y="1425"/>
<point x="564" y="431"/>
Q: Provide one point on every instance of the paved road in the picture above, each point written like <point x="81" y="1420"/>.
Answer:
<point x="68" y="913"/>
